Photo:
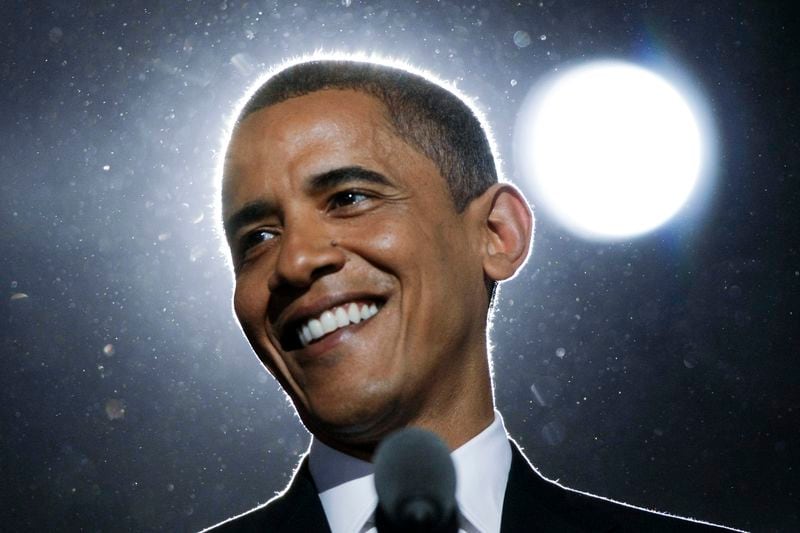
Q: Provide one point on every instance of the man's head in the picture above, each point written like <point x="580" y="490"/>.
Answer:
<point x="424" y="114"/>
<point x="364" y="217"/>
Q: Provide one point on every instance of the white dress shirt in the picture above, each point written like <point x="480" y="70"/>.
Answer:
<point x="348" y="496"/>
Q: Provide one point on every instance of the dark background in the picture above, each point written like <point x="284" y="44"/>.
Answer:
<point x="129" y="400"/>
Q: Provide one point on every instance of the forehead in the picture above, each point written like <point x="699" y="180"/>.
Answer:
<point x="304" y="136"/>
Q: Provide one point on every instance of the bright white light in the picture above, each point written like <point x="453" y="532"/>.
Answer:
<point x="612" y="149"/>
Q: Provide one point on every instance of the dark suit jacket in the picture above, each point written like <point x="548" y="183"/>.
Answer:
<point x="531" y="504"/>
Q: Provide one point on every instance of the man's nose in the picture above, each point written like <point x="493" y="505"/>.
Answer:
<point x="305" y="254"/>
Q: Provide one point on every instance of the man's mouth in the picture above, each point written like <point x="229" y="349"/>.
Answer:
<point x="337" y="317"/>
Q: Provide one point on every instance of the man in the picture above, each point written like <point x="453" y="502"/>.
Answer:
<point x="368" y="229"/>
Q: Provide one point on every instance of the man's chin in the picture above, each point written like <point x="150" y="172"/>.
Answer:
<point x="342" y="428"/>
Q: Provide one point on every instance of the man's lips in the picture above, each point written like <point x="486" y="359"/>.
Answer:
<point x="330" y="320"/>
<point x="306" y="324"/>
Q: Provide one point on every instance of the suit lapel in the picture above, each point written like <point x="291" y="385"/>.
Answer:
<point x="305" y="513"/>
<point x="522" y="507"/>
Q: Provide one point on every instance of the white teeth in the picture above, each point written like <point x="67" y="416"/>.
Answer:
<point x="333" y="319"/>
<point x="342" y="319"/>
<point x="353" y="313"/>
<point x="328" y="321"/>
<point x="315" y="326"/>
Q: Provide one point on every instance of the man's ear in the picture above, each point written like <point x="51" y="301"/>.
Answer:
<point x="506" y="226"/>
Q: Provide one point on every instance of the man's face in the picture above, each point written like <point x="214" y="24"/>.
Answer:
<point x="331" y="217"/>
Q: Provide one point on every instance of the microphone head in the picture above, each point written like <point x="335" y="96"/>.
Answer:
<point x="416" y="483"/>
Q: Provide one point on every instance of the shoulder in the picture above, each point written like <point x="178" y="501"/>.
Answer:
<point x="297" y="508"/>
<point x="273" y="513"/>
<point x="532" y="499"/>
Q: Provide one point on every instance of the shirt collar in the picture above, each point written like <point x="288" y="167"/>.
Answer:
<point x="345" y="487"/>
<point x="482" y="466"/>
<point x="347" y="491"/>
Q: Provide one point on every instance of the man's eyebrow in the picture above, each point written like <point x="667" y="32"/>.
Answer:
<point x="259" y="209"/>
<point x="338" y="176"/>
<point x="249" y="213"/>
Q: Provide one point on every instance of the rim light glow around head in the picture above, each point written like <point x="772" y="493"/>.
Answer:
<point x="611" y="149"/>
<point x="331" y="56"/>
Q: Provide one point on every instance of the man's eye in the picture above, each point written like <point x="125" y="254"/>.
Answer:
<point x="256" y="237"/>
<point x="345" y="198"/>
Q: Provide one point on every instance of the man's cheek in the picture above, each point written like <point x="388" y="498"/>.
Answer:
<point x="382" y="234"/>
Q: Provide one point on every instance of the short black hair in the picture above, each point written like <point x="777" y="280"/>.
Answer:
<point x="426" y="115"/>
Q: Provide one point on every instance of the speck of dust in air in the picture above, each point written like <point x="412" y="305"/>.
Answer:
<point x="522" y="39"/>
<point x="115" y="409"/>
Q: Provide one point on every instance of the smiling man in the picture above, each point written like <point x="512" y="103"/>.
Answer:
<point x="367" y="229"/>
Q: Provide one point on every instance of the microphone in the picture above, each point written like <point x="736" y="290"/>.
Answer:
<point x="416" y="484"/>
